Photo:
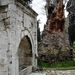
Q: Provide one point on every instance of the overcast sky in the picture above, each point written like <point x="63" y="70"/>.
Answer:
<point x="38" y="6"/>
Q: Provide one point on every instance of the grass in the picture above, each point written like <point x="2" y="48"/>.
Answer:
<point x="62" y="64"/>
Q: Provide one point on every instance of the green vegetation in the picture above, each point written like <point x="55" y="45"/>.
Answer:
<point x="74" y="45"/>
<point x="43" y="64"/>
<point x="62" y="64"/>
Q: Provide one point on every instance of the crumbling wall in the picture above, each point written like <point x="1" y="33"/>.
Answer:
<point x="54" y="45"/>
<point x="57" y="19"/>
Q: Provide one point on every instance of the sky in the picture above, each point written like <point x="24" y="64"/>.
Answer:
<point x="38" y="6"/>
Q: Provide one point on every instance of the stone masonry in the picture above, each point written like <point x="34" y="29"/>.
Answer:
<point x="17" y="22"/>
<point x="54" y="45"/>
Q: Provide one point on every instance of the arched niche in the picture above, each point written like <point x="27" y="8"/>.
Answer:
<point x="25" y="53"/>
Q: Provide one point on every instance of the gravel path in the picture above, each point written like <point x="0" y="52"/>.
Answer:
<point x="39" y="73"/>
<point x="55" y="72"/>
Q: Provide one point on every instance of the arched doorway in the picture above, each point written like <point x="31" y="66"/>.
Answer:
<point x="25" y="53"/>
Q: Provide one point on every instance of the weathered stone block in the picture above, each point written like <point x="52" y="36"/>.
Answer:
<point x="3" y="16"/>
<point x="3" y="73"/>
<point x="19" y="11"/>
<point x="6" y="2"/>
<point x="12" y="7"/>
<point x="11" y="14"/>
<point x="19" y="17"/>
<point x="2" y="26"/>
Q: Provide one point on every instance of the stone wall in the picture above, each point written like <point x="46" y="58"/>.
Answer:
<point x="54" y="45"/>
<point x="16" y="21"/>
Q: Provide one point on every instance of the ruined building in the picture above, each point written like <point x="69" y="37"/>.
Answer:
<point x="71" y="9"/>
<point x="18" y="38"/>
<point x="54" y="45"/>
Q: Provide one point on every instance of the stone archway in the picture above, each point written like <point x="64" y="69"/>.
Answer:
<point x="25" y="53"/>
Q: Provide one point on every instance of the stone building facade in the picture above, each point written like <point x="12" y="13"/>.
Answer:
<point x="18" y="38"/>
